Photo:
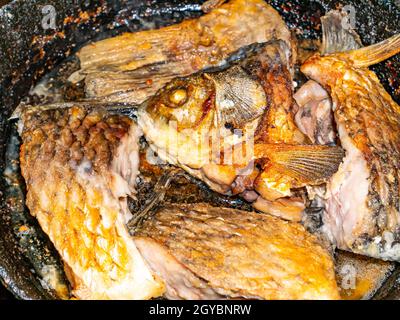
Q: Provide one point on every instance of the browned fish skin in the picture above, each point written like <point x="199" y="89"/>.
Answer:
<point x="226" y="253"/>
<point x="364" y="218"/>
<point x="79" y="166"/>
<point x="70" y="135"/>
<point x="133" y="66"/>
<point x="272" y="69"/>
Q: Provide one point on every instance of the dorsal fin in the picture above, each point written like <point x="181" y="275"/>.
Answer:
<point x="338" y="34"/>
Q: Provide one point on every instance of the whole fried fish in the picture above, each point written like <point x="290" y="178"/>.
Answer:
<point x="80" y="165"/>
<point x="362" y="210"/>
<point x="235" y="130"/>
<point x="203" y="252"/>
<point x="133" y="66"/>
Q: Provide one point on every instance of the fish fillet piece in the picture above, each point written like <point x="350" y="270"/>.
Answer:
<point x="314" y="114"/>
<point x="79" y="166"/>
<point x="133" y="66"/>
<point x="362" y="210"/>
<point x="204" y="252"/>
<point x="360" y="277"/>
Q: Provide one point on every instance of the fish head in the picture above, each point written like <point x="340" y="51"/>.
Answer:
<point x="177" y="121"/>
<point x="187" y="103"/>
<point x="227" y="99"/>
<point x="205" y="112"/>
<point x="239" y="98"/>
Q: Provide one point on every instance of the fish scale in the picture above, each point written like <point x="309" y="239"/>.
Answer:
<point x="237" y="254"/>
<point x="77" y="185"/>
<point x="368" y="122"/>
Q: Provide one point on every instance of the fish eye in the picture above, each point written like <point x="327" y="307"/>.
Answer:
<point x="178" y="97"/>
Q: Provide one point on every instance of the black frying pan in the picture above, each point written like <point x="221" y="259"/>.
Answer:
<point x="27" y="51"/>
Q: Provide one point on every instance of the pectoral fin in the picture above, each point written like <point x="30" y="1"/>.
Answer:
<point x="306" y="164"/>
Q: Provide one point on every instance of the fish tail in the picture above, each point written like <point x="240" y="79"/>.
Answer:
<point x="339" y="37"/>
<point x="309" y="164"/>
<point x="376" y="53"/>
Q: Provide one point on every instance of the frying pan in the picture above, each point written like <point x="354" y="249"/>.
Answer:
<point x="30" y="47"/>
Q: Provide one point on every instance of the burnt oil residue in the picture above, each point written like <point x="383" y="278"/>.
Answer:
<point x="28" y="52"/>
<point x="302" y="17"/>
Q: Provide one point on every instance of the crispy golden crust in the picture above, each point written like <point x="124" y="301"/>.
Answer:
<point x="66" y="159"/>
<point x="71" y="135"/>
<point x="359" y="276"/>
<point x="371" y="119"/>
<point x="272" y="70"/>
<point x="243" y="254"/>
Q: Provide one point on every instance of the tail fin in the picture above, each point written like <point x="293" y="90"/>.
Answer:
<point x="376" y="53"/>
<point x="338" y="35"/>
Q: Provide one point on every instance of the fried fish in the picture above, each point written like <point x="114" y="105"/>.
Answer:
<point x="80" y="165"/>
<point x="235" y="130"/>
<point x="362" y="209"/>
<point x="204" y="252"/>
<point x="133" y="66"/>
